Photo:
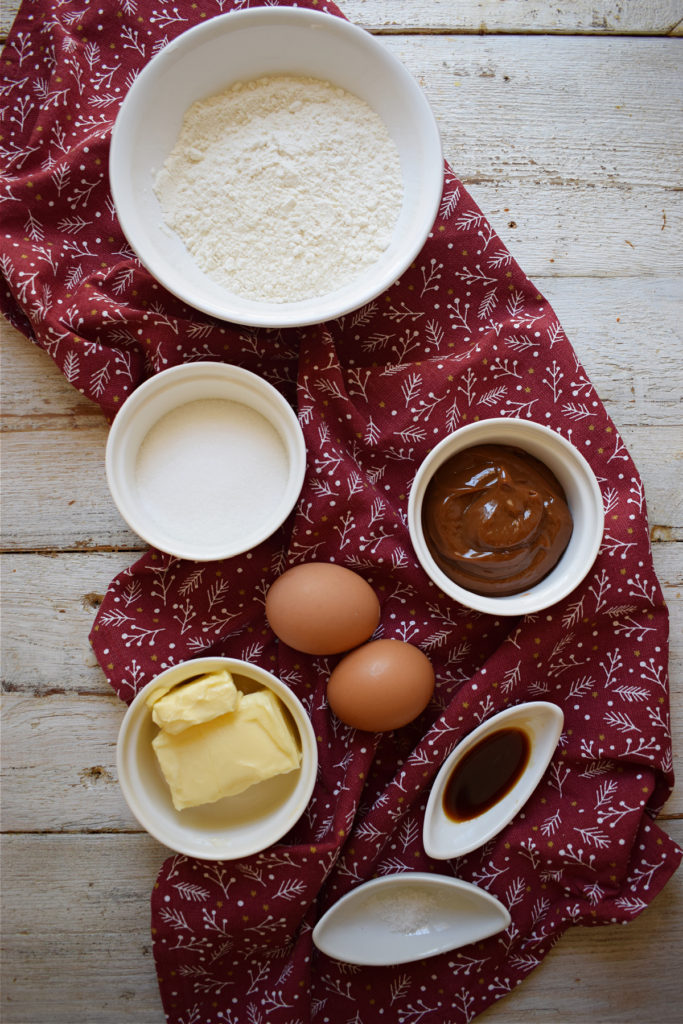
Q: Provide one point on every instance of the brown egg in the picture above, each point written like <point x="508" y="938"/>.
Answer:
<point x="380" y="686"/>
<point x="322" y="608"/>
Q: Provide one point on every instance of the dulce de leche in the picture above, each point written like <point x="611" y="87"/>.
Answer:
<point x="495" y="519"/>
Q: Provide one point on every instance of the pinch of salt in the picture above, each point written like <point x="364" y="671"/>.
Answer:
<point x="408" y="912"/>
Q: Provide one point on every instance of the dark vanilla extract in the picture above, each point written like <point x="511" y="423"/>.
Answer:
<point x="486" y="774"/>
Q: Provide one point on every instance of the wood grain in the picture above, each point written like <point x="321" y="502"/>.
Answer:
<point x="50" y="601"/>
<point x="55" y="492"/>
<point x="593" y="17"/>
<point x="563" y="121"/>
<point x="656" y="17"/>
<point x="550" y="109"/>
<point x="79" y="950"/>
<point x="82" y="951"/>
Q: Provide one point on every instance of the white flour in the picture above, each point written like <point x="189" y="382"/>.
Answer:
<point x="282" y="188"/>
<point x="211" y="470"/>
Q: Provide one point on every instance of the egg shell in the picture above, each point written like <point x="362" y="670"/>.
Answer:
<point x="380" y="686"/>
<point x="322" y="608"/>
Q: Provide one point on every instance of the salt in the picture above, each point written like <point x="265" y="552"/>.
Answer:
<point x="411" y="912"/>
<point x="211" y="471"/>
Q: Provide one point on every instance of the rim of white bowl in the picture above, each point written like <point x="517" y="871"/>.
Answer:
<point x="184" y="839"/>
<point x="284" y="420"/>
<point x="236" y="309"/>
<point x="567" y="462"/>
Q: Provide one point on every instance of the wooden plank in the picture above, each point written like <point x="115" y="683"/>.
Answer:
<point x="59" y="764"/>
<point x="46" y="650"/>
<point x="612" y="323"/>
<point x="59" y="748"/>
<point x="77" y="946"/>
<point x="35" y="394"/>
<point x="50" y="602"/>
<point x="63" y="501"/>
<point x="582" y="230"/>
<point x="55" y="493"/>
<point x="552" y="231"/>
<point x="550" y="109"/>
<point x="106" y="977"/>
<point x="621" y="330"/>
<point x="109" y="891"/>
<point x="592" y="17"/>
<point x="571" y="229"/>
<point x="658" y="455"/>
<point x="77" y="949"/>
<point x="542" y="110"/>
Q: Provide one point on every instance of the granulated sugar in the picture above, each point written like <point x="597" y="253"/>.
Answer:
<point x="282" y="188"/>
<point x="211" y="471"/>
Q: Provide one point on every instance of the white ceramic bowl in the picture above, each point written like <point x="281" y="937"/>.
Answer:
<point x="245" y="45"/>
<point x="236" y="826"/>
<point x="444" y="838"/>
<point x="581" y="489"/>
<point x="404" y="917"/>
<point x="205" y="460"/>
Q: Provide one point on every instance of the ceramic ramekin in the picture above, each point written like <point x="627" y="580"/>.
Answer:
<point x="583" y="496"/>
<point x="236" y="826"/>
<point x="205" y="460"/>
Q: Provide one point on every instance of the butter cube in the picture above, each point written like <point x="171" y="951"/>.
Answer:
<point x="195" y="702"/>
<point x="226" y="755"/>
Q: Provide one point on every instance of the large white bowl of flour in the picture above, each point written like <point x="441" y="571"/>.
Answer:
<point x="276" y="167"/>
<point x="205" y="460"/>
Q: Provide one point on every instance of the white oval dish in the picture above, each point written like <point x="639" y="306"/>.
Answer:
<point x="583" y="497"/>
<point x="245" y="45"/>
<point x="442" y="837"/>
<point x="236" y="826"/>
<point x="407" y="916"/>
<point x="205" y="460"/>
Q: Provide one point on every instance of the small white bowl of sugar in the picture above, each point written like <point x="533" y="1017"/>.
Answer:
<point x="276" y="167"/>
<point x="205" y="460"/>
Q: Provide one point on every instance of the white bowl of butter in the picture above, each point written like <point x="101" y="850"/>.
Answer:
<point x="217" y="758"/>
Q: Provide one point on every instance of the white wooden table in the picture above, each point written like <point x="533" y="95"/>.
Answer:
<point x="564" y="122"/>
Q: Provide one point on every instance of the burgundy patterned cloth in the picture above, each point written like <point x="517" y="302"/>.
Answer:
<point x="463" y="335"/>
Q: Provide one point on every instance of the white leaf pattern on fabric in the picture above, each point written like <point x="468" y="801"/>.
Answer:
<point x="463" y="335"/>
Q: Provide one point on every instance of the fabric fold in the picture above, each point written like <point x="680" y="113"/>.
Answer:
<point x="463" y="335"/>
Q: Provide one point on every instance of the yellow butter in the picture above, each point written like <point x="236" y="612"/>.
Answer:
<point x="195" y="702"/>
<point x="226" y="755"/>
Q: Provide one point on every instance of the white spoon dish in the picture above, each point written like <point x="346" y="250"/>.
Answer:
<point x="407" y="916"/>
<point x="489" y="777"/>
